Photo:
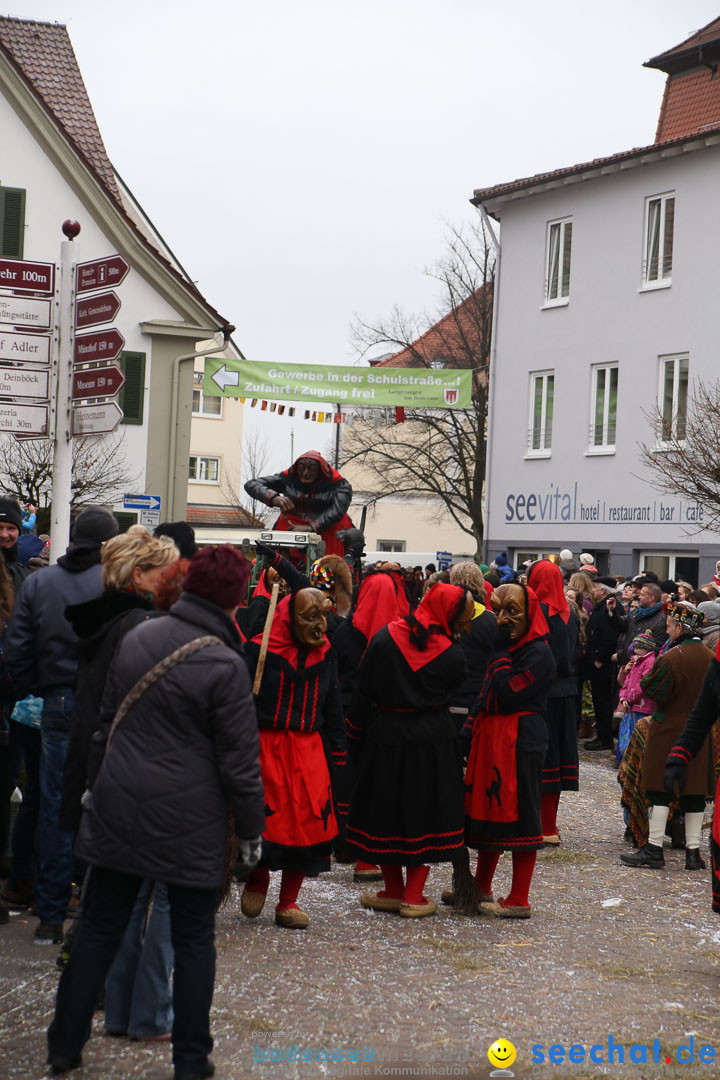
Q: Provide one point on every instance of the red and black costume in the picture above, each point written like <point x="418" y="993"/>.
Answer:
<point x="302" y="741"/>
<point x="560" y="770"/>
<point x="321" y="505"/>
<point x="406" y="808"/>
<point x="691" y="742"/>
<point x="509" y="743"/>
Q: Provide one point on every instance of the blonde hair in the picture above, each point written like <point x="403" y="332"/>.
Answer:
<point x="470" y="575"/>
<point x="581" y="582"/>
<point x="134" y="548"/>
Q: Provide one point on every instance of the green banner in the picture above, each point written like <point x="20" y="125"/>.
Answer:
<point x="412" y="388"/>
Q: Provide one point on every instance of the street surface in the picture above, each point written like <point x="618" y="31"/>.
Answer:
<point x="609" y="951"/>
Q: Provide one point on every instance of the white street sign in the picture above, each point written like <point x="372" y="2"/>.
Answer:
<point x="23" y="419"/>
<point x="25" y="311"/>
<point x="150" y="518"/>
<point x="31" y="348"/>
<point x="20" y="382"/>
<point x="96" y="419"/>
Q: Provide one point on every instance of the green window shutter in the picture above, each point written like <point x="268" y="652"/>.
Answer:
<point x="125" y="520"/>
<point x="12" y="222"/>
<point x="132" y="395"/>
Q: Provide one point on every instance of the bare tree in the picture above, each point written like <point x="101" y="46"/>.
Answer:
<point x="685" y="458"/>
<point x="255" y="457"/>
<point x="100" y="473"/>
<point x="437" y="454"/>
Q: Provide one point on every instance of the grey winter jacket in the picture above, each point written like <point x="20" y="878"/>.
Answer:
<point x="41" y="645"/>
<point x="184" y="753"/>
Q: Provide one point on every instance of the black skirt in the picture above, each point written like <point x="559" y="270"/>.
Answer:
<point x="525" y="834"/>
<point x="406" y="807"/>
<point x="560" y="771"/>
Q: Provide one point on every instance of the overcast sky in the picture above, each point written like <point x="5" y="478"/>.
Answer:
<point x="301" y="158"/>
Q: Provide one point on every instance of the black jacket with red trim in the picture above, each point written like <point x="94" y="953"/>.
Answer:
<point x="296" y="697"/>
<point x="322" y="503"/>
<point x="519" y="682"/>
<point x="703" y="715"/>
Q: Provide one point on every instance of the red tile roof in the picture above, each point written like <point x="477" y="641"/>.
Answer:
<point x="691" y="103"/>
<point x="451" y="341"/>
<point x="229" y="517"/>
<point x="693" y="51"/>
<point x="43" y="55"/>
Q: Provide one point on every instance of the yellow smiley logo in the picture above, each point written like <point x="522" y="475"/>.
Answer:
<point x="502" y="1053"/>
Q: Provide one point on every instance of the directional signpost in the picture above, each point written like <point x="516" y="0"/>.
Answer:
<point x="27" y="277"/>
<point x="92" y="310"/>
<point x="100" y="273"/>
<point x="96" y="419"/>
<point x="24" y="382"/>
<point x="25" y="312"/>
<point x="97" y="382"/>
<point x="23" y="419"/>
<point x="102" y="345"/>
<point x="142" y="502"/>
<point x="27" y="347"/>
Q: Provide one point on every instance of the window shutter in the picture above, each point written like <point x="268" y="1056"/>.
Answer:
<point x="125" y="520"/>
<point x="12" y="222"/>
<point x="132" y="395"/>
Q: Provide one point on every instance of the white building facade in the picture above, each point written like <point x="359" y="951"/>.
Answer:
<point x="607" y="288"/>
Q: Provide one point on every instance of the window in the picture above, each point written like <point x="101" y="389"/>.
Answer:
<point x="522" y="557"/>
<point x="12" y="222"/>
<point x="557" y="277"/>
<point x="131" y="398"/>
<point x="604" y="407"/>
<point x="659" y="223"/>
<point x="391" y="545"/>
<point x="673" y="397"/>
<point x="671" y="566"/>
<point x="204" y="470"/>
<point x="205" y="406"/>
<point x="542" y="391"/>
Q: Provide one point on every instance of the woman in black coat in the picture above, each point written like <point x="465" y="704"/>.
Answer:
<point x="182" y="761"/>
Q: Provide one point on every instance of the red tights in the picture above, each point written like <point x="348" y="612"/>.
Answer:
<point x="549" y="802"/>
<point x="411" y="890"/>
<point x="290" y="884"/>
<point x="523" y="867"/>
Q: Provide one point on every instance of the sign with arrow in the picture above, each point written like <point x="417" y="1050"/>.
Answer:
<point x="97" y="382"/>
<point x="96" y="419"/>
<point x="96" y="309"/>
<point x="102" y="345"/>
<point x="27" y="277"/>
<point x="23" y="419"/>
<point x="142" y="502"/>
<point x="30" y="348"/>
<point x="222" y="377"/>
<point x="22" y="382"/>
<point x="100" y="273"/>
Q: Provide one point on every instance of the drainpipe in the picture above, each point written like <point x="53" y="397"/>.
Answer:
<point x="491" y="373"/>
<point x="223" y="332"/>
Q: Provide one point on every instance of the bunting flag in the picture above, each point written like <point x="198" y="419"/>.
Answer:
<point x="321" y="417"/>
<point x="307" y="414"/>
<point x="263" y="406"/>
<point x="281" y="410"/>
<point x="291" y="411"/>
<point x="399" y="414"/>
<point x="273" y="406"/>
<point x="253" y="403"/>
<point x="395" y="415"/>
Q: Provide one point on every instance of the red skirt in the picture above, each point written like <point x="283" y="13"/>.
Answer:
<point x="298" y="799"/>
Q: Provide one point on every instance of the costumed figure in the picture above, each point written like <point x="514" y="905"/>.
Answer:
<point x="479" y="641"/>
<point x="302" y="741"/>
<point x="510" y="740"/>
<point x="310" y="495"/>
<point x="381" y="598"/>
<point x="691" y="743"/>
<point x="560" y="771"/>
<point x="674" y="684"/>
<point x="406" y="808"/>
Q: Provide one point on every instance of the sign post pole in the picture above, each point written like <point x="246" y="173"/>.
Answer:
<point x="61" y="427"/>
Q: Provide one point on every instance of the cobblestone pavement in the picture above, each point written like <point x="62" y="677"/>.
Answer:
<point x="609" y="951"/>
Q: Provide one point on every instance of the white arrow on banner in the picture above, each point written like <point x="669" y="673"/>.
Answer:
<point x="224" y="378"/>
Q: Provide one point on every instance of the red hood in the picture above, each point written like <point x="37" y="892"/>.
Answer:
<point x="326" y="471"/>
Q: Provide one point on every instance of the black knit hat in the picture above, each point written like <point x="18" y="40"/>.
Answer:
<point x="608" y="582"/>
<point x="94" y="526"/>
<point x="183" y="535"/>
<point x="10" y="513"/>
